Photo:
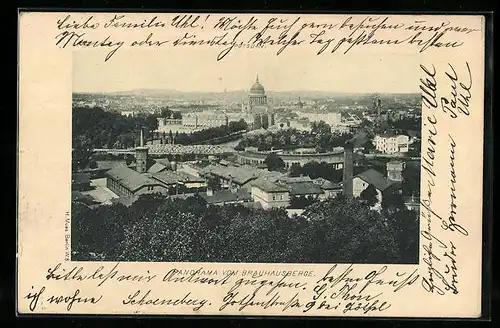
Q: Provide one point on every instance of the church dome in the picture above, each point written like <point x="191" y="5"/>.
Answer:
<point x="257" y="88"/>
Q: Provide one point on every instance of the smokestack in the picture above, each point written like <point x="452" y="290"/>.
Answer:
<point x="141" y="156"/>
<point x="348" y="170"/>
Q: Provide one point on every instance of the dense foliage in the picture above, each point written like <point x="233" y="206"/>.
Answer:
<point x="369" y="195"/>
<point x="103" y="129"/>
<point x="316" y="170"/>
<point x="274" y="162"/>
<point x="411" y="179"/>
<point x="156" y="228"/>
<point x="406" y="124"/>
<point x="95" y="128"/>
<point x="212" y="135"/>
<point x="170" y="114"/>
<point x="292" y="138"/>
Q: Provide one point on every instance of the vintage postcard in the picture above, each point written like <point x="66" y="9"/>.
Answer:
<point x="250" y="164"/>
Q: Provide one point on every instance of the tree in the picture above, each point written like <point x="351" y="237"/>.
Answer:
<point x="392" y="200"/>
<point x="177" y="115"/>
<point x="321" y="127"/>
<point x="345" y="230"/>
<point x="213" y="183"/>
<point x="129" y="159"/>
<point x="368" y="146"/>
<point x="274" y="162"/>
<point x="323" y="144"/>
<point x="166" y="112"/>
<point x="411" y="179"/>
<point x="295" y="170"/>
<point x="81" y="154"/>
<point x="302" y="202"/>
<point x="369" y="195"/>
<point x="156" y="228"/>
<point x="265" y="121"/>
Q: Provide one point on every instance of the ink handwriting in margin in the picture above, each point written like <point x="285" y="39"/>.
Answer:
<point x="247" y="32"/>
<point x="441" y="281"/>
<point x="69" y="300"/>
<point x="459" y="100"/>
<point x="264" y="293"/>
<point x="348" y="292"/>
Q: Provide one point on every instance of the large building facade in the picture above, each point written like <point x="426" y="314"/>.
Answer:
<point x="204" y="119"/>
<point x="251" y="157"/>
<point x="391" y="144"/>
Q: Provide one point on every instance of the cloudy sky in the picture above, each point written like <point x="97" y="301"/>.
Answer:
<point x="197" y="70"/>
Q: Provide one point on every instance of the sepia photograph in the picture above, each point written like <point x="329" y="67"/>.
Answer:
<point x="252" y="164"/>
<point x="176" y="158"/>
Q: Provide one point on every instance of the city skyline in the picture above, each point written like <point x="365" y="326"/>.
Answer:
<point x="201" y="73"/>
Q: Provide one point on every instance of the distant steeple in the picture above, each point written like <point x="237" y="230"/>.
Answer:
<point x="257" y="79"/>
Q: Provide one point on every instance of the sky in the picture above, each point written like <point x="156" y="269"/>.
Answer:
<point x="196" y="70"/>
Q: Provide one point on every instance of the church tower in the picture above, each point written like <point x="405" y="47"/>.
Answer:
<point x="141" y="156"/>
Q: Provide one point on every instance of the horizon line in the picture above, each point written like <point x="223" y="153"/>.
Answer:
<point x="243" y="90"/>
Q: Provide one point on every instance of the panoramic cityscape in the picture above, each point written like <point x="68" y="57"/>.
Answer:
<point x="246" y="176"/>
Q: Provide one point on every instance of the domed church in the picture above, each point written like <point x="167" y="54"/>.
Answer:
<point x="257" y="99"/>
<point x="257" y="95"/>
<point x="258" y="106"/>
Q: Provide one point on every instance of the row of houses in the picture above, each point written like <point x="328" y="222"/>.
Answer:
<point x="125" y="181"/>
<point x="237" y="184"/>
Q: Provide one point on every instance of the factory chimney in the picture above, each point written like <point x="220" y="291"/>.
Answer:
<point x="141" y="156"/>
<point x="348" y="169"/>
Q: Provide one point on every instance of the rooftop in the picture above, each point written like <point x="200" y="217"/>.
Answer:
<point x="253" y="205"/>
<point x="156" y="167"/>
<point x="126" y="201"/>
<point x="170" y="177"/>
<point x="268" y="186"/>
<point x="163" y="161"/>
<point x="327" y="184"/>
<point x="80" y="178"/>
<point x="239" y="175"/>
<point x="304" y="188"/>
<point x="390" y="134"/>
<point x="227" y="196"/>
<point x="375" y="178"/>
<point x="106" y="165"/>
<point x="131" y="179"/>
